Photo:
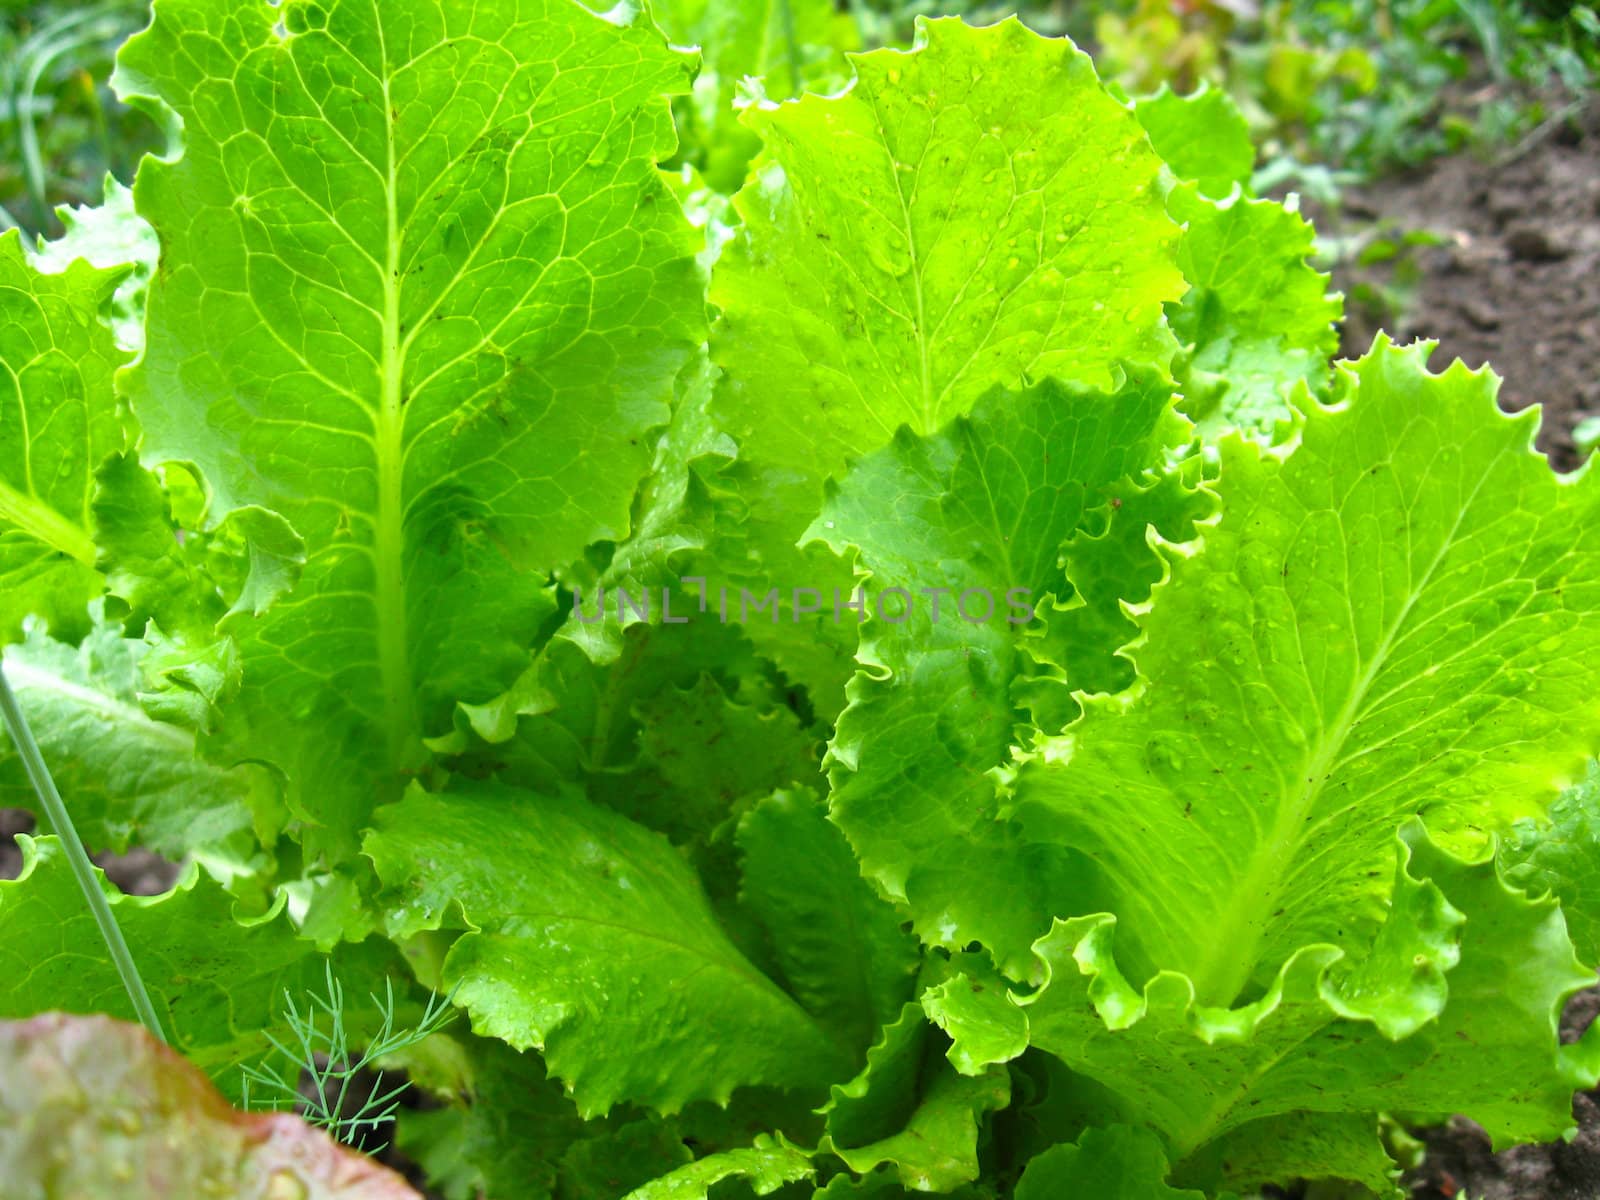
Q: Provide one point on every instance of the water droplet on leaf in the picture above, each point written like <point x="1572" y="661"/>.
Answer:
<point x="1162" y="754"/>
<point x="892" y="259"/>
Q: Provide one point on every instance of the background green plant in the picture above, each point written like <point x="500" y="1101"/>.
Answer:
<point x="1354" y="86"/>
<point x="63" y="129"/>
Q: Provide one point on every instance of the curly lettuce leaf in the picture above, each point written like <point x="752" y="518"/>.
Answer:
<point x="1343" y="1148"/>
<point x="1363" y="638"/>
<point x="839" y="946"/>
<point x="764" y="1167"/>
<point x="106" y="235"/>
<point x="78" y="515"/>
<point x="717" y="752"/>
<point x="633" y="642"/>
<point x="973" y="1008"/>
<point x="1258" y="319"/>
<point x="581" y="923"/>
<point x="884" y="1184"/>
<point x="785" y="45"/>
<point x="1114" y="1163"/>
<point x="217" y="978"/>
<point x="610" y="1162"/>
<point x="58" y="423"/>
<point x="883" y="1095"/>
<point x="937" y="1151"/>
<point x="1112" y="567"/>
<point x="675" y="511"/>
<point x="1202" y="137"/>
<point x="424" y="294"/>
<point x="197" y="586"/>
<point x="1421" y="1021"/>
<point x="936" y="230"/>
<point x="509" y="1133"/>
<point x="1561" y="856"/>
<point x="907" y="1114"/>
<point x="953" y="664"/>
<point x="130" y="777"/>
<point x="672" y="725"/>
<point x="1365" y="634"/>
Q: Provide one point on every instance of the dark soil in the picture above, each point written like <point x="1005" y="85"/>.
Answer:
<point x="138" y="872"/>
<point x="1516" y="282"/>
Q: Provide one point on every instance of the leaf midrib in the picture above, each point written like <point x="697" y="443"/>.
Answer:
<point x="389" y="446"/>
<point x="1233" y="947"/>
<point x="29" y="678"/>
<point x="44" y="524"/>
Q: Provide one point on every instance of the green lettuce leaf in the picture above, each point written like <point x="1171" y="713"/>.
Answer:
<point x="937" y="1151"/>
<point x="611" y="1163"/>
<point x="884" y="1184"/>
<point x="78" y="515"/>
<point x="717" y="752"/>
<point x="1365" y="634"/>
<point x="1115" y="1163"/>
<point x="190" y="585"/>
<point x="678" y="727"/>
<point x="939" y="228"/>
<point x="883" y="1095"/>
<point x="907" y="1113"/>
<point x="1202" y="137"/>
<point x="1562" y="856"/>
<point x="1364" y="637"/>
<point x="58" y="423"/>
<point x="675" y="511"/>
<point x="582" y="923"/>
<point x="427" y="299"/>
<point x="217" y="978"/>
<point x="765" y="1167"/>
<point x="615" y="596"/>
<point x="785" y="44"/>
<point x="1186" y="793"/>
<point x="1112" y="568"/>
<point x="107" y="235"/>
<point x="953" y="664"/>
<point x="1417" y="1023"/>
<point x="984" y="1029"/>
<point x="509" y="1133"/>
<point x="856" y="270"/>
<point x="1257" y="320"/>
<point x="129" y="777"/>
<point x="838" y="945"/>
<point x="671" y="725"/>
<point x="1342" y="1148"/>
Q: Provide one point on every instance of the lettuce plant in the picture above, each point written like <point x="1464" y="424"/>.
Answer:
<point x="920" y="675"/>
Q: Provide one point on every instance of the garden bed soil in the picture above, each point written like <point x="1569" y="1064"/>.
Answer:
<point x="138" y="872"/>
<point x="1516" y="280"/>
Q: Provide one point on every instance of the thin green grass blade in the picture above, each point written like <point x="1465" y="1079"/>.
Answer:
<point x="61" y="822"/>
